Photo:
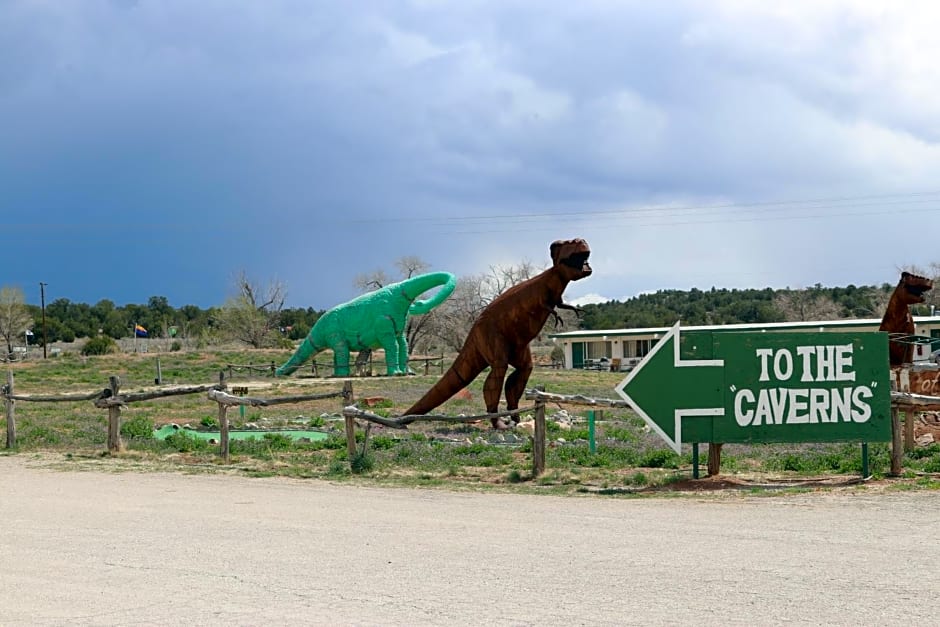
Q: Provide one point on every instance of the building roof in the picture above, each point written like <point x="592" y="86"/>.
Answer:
<point x="820" y="325"/>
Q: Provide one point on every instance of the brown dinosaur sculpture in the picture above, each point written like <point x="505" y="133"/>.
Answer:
<point x="898" y="319"/>
<point x="500" y="336"/>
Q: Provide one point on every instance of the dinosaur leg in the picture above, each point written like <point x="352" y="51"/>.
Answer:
<point x="391" y="356"/>
<point x="403" y="354"/>
<point x="492" y="388"/>
<point x="516" y="381"/>
<point x="340" y="359"/>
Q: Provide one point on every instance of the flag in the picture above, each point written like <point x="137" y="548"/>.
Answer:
<point x="139" y="331"/>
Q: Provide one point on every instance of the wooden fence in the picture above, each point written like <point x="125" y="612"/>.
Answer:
<point x="113" y="400"/>
<point x="365" y="368"/>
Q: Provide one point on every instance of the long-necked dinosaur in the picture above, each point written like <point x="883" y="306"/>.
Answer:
<point x="373" y="320"/>
<point x="897" y="319"/>
<point x="500" y="337"/>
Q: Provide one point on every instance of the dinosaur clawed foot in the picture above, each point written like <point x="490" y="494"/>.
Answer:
<point x="501" y="425"/>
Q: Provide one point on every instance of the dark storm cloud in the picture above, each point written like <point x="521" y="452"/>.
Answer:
<point x="183" y="141"/>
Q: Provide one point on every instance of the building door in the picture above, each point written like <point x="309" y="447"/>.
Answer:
<point x="577" y="354"/>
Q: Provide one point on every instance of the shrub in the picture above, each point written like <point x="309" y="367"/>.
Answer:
<point x="660" y="458"/>
<point x="100" y="345"/>
<point x="185" y="443"/>
<point x="361" y="462"/>
<point x="278" y="441"/>
<point x="176" y="346"/>
<point x="137" y="427"/>
<point x="515" y="476"/>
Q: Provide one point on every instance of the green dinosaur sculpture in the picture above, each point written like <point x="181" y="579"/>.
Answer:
<point x="373" y="320"/>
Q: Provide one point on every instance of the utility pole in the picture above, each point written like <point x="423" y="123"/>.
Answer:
<point x="42" y="296"/>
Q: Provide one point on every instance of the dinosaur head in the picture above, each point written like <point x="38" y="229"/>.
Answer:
<point x="571" y="257"/>
<point x="913" y="287"/>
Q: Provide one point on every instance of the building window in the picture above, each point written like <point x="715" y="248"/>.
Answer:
<point x="596" y="350"/>
<point x="643" y="347"/>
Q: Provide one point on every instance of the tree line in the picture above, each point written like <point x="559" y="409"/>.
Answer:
<point x="736" y="306"/>
<point x="256" y="315"/>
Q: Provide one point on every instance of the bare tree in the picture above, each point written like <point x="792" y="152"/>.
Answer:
<point x="806" y="304"/>
<point x="371" y="281"/>
<point x="253" y="313"/>
<point x="410" y="266"/>
<point x="14" y="316"/>
<point x="501" y="277"/>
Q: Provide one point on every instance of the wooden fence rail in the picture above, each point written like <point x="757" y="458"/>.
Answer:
<point x="364" y="369"/>
<point x="112" y="399"/>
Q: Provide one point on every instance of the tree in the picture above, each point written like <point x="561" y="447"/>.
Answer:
<point x="811" y="304"/>
<point x="15" y="318"/>
<point x="252" y="315"/>
<point x="424" y="332"/>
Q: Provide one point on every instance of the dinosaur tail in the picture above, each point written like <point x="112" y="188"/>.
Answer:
<point x="302" y="354"/>
<point x="464" y="370"/>
<point x="424" y="282"/>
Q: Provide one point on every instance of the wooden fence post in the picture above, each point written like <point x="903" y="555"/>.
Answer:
<point x="349" y="399"/>
<point x="714" y="459"/>
<point x="114" y="418"/>
<point x="538" y="440"/>
<point x="11" y="418"/>
<point x="897" y="446"/>
<point x="909" y="414"/>
<point x="223" y="432"/>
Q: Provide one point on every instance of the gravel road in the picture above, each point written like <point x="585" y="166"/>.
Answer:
<point x="101" y="548"/>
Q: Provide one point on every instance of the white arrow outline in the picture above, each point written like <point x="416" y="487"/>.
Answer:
<point x="678" y="362"/>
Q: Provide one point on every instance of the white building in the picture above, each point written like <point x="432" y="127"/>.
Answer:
<point x="584" y="349"/>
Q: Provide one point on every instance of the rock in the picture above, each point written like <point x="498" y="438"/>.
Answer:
<point x="924" y="439"/>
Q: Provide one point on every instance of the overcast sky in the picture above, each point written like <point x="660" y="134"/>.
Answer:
<point x="160" y="147"/>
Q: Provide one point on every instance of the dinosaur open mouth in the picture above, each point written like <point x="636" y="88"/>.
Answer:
<point x="578" y="261"/>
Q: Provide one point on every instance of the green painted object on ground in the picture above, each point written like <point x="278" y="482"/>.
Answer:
<point x="295" y="434"/>
<point x="720" y="386"/>
<point x="374" y="320"/>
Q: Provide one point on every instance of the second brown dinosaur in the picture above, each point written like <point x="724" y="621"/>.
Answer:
<point x="500" y="337"/>
<point x="898" y="320"/>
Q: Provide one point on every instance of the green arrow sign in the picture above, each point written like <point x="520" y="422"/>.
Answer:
<point x="722" y="386"/>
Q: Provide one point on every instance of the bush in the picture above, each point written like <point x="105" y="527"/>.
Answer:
<point x="100" y="345"/>
<point x="660" y="458"/>
<point x="137" y="427"/>
<point x="361" y="463"/>
<point x="176" y="346"/>
<point x="185" y="443"/>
